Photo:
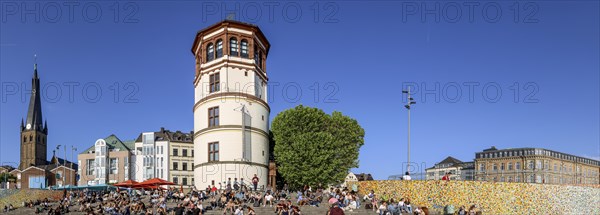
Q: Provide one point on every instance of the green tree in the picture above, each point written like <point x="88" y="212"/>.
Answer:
<point x="312" y="147"/>
<point x="5" y="176"/>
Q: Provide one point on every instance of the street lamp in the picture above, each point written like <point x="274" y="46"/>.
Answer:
<point x="409" y="102"/>
<point x="57" y="150"/>
<point x="73" y="150"/>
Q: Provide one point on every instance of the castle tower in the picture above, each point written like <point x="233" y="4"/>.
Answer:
<point x="231" y="113"/>
<point x="33" y="132"/>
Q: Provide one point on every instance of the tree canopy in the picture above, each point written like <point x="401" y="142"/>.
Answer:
<point x="5" y="176"/>
<point x="312" y="147"/>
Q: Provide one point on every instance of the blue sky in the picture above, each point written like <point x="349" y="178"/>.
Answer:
<point x="544" y="62"/>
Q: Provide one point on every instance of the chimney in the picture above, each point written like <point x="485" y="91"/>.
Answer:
<point x="162" y="129"/>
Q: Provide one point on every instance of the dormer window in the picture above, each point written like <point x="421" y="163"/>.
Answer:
<point x="210" y="52"/>
<point x="219" y="48"/>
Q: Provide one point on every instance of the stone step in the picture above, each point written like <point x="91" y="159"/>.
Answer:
<point x="305" y="210"/>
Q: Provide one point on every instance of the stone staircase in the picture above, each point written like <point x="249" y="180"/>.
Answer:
<point x="309" y="210"/>
<point x="306" y="210"/>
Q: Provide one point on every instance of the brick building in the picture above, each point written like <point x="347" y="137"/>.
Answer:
<point x="109" y="160"/>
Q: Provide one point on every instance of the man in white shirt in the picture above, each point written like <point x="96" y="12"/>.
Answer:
<point x="406" y="176"/>
<point x="239" y="211"/>
<point x="269" y="200"/>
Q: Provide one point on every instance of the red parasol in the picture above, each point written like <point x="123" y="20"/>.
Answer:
<point x="151" y="187"/>
<point x="128" y="183"/>
<point x="156" y="182"/>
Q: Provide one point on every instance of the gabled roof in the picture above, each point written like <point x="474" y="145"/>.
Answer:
<point x="113" y="142"/>
<point x="67" y="167"/>
<point x="129" y="144"/>
<point x="450" y="160"/>
<point x="40" y="167"/>
<point x="60" y="161"/>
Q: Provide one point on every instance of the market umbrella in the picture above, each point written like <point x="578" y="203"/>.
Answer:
<point x="128" y="183"/>
<point x="156" y="182"/>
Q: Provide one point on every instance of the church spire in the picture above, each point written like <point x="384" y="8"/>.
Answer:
<point x="35" y="66"/>
<point x="34" y="115"/>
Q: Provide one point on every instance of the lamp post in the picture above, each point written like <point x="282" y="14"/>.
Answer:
<point x="57" y="150"/>
<point x="409" y="102"/>
<point x="73" y="149"/>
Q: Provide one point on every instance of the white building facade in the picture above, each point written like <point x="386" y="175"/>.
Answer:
<point x="231" y="113"/>
<point x="457" y="170"/>
<point x="151" y="157"/>
<point x="166" y="155"/>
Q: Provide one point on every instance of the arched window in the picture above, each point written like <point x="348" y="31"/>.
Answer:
<point x="24" y="139"/>
<point x="210" y="52"/>
<point x="30" y="138"/>
<point x="219" y="48"/>
<point x="233" y="47"/>
<point x="244" y="48"/>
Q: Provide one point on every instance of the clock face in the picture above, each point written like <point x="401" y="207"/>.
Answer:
<point x="28" y="126"/>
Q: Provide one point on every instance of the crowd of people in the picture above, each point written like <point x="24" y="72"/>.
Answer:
<point x="231" y="197"/>
<point x="384" y="206"/>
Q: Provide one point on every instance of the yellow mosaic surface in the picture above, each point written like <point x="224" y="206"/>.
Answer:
<point x="492" y="197"/>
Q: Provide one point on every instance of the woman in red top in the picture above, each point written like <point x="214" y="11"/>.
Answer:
<point x="446" y="177"/>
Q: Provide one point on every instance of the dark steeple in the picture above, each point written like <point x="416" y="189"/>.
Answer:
<point x="34" y="134"/>
<point x="34" y="115"/>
